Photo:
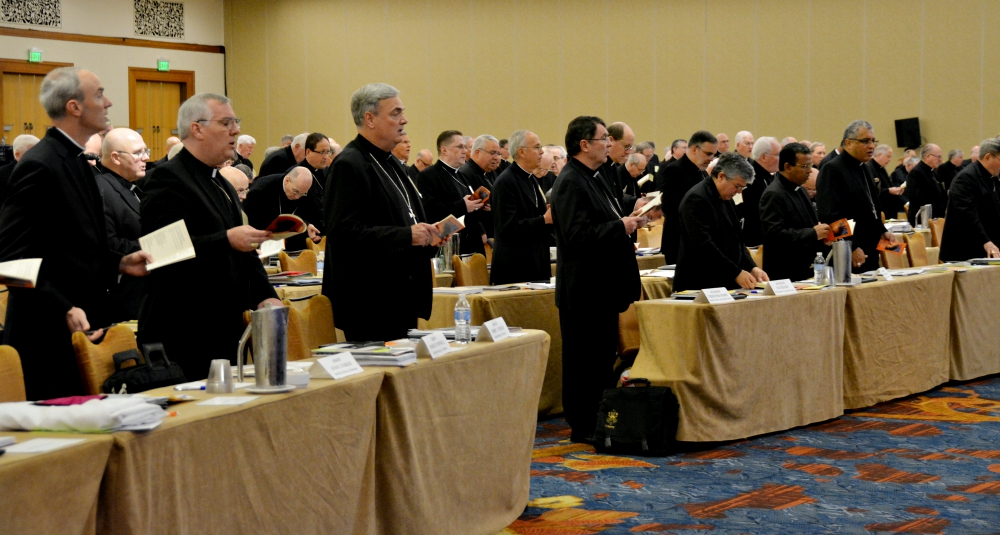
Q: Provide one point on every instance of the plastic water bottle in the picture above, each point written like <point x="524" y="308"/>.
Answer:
<point x="463" y="315"/>
<point x="819" y="270"/>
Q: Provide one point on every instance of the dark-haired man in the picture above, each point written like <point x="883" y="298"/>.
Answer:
<point x="588" y="220"/>
<point x="791" y="230"/>
<point x="675" y="179"/>
<point x="445" y="191"/>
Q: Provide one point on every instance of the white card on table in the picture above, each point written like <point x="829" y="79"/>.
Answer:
<point x="43" y="445"/>
<point x="228" y="400"/>
<point x="714" y="296"/>
<point x="780" y="287"/>
<point x="493" y="331"/>
<point x="433" y="345"/>
<point x="885" y="273"/>
<point x="335" y="367"/>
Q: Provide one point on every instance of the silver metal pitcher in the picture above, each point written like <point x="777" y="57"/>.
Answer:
<point x="840" y="256"/>
<point x="924" y="216"/>
<point x="269" y="330"/>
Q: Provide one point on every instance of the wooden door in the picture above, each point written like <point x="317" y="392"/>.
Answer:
<point x="21" y="109"/>
<point x="154" y="98"/>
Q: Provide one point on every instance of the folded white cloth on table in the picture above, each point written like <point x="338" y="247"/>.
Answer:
<point x="109" y="414"/>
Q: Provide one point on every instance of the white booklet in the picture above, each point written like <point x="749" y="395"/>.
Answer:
<point x="169" y="245"/>
<point x="20" y="273"/>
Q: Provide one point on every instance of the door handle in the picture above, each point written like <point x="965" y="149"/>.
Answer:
<point x="25" y="126"/>
<point x="31" y="127"/>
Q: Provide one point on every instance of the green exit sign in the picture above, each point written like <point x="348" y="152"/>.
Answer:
<point x="162" y="65"/>
<point x="34" y="56"/>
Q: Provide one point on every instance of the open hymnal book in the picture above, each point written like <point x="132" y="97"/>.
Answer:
<point x="450" y="225"/>
<point x="169" y="245"/>
<point x="271" y="248"/>
<point x="20" y="273"/>
<point x="642" y="181"/>
<point x="651" y="204"/>
<point x="286" y="226"/>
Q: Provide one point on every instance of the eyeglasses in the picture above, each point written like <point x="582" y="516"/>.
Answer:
<point x="709" y="154"/>
<point x="866" y="141"/>
<point x="137" y="154"/>
<point x="805" y="166"/>
<point x="627" y="147"/>
<point x="491" y="152"/>
<point x="323" y="152"/>
<point x="601" y="139"/>
<point x="226" y="122"/>
<point x="741" y="188"/>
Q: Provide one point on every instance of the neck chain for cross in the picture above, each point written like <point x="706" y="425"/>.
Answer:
<point x="452" y="172"/>
<point x="600" y="178"/>
<point x="864" y="185"/>
<point x="401" y="188"/>
<point x="281" y="195"/>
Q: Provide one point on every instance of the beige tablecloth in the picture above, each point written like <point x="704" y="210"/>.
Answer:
<point x="298" y="292"/>
<point x="975" y="325"/>
<point x="444" y="280"/>
<point x="301" y="462"/>
<point x="746" y="368"/>
<point x="454" y="440"/>
<point x="53" y="492"/>
<point x="656" y="287"/>
<point x="896" y="338"/>
<point x="528" y="309"/>
<point x="651" y="261"/>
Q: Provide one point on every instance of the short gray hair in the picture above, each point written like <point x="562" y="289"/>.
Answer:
<point x="762" y="147"/>
<point x="912" y="160"/>
<point x="366" y="100"/>
<point x="300" y="139"/>
<point x="741" y="135"/>
<point x="855" y="127"/>
<point x="58" y="88"/>
<point x="733" y="166"/>
<point x="641" y="146"/>
<point x="516" y="141"/>
<point x="271" y="150"/>
<point x="481" y="141"/>
<point x="176" y="149"/>
<point x="196" y="109"/>
<point x="634" y="158"/>
<point x="989" y="146"/>
<point x="817" y="145"/>
<point x="286" y="137"/>
<point x="954" y="152"/>
<point x="24" y="142"/>
<point x="882" y="149"/>
<point x="926" y="149"/>
<point x="245" y="140"/>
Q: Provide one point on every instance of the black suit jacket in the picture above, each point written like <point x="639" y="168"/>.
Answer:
<point x="241" y="160"/>
<point x="946" y="172"/>
<point x="279" y="161"/>
<point x="54" y="196"/>
<point x="828" y="158"/>
<point x="477" y="178"/>
<point x="787" y="219"/>
<point x="749" y="209"/>
<point x="673" y="181"/>
<point x="121" y="214"/>
<point x="973" y="214"/>
<point x="194" y="332"/>
<point x="845" y="189"/>
<point x="712" y="253"/>
<point x="586" y="223"/>
<point x="923" y="187"/>
<point x="651" y="164"/>
<point x="367" y="218"/>
<point x="894" y="204"/>
<point x="522" y="237"/>
<point x="443" y="193"/>
<point x="266" y="199"/>
<point x="5" y="173"/>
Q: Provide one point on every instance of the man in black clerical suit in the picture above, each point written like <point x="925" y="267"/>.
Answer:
<point x="744" y="144"/>
<point x="504" y="157"/>
<point x="480" y="171"/>
<point x="189" y="188"/>
<point x="54" y="212"/>
<point x="521" y="217"/>
<point x="622" y="140"/>
<point x="424" y="160"/>
<point x="765" y="164"/>
<point x="591" y="288"/>
<point x="20" y="145"/>
<point x="402" y="150"/>
<point x="845" y="190"/>
<point x="288" y="193"/>
<point x="317" y="158"/>
<point x="630" y="173"/>
<point x="445" y="192"/>
<point x="792" y="232"/>
<point x="673" y="181"/>
<point x="168" y="144"/>
<point x="948" y="169"/>
<point x="973" y="226"/>
<point x="282" y="160"/>
<point x="712" y="253"/>
<point x="544" y="176"/>
<point x="894" y="199"/>
<point x="244" y="148"/>
<point x="373" y="210"/>
<point x="876" y="167"/>
<point x="831" y="155"/>
<point x="923" y="186"/>
<point x="124" y="158"/>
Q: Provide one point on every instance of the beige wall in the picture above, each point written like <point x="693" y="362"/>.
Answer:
<point x="203" y="24"/>
<point x="776" y="67"/>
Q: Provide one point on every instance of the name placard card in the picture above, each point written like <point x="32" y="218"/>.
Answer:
<point x="885" y="273"/>
<point x="433" y="345"/>
<point x="335" y="367"/>
<point x="714" y="296"/>
<point x="493" y="331"/>
<point x="780" y="287"/>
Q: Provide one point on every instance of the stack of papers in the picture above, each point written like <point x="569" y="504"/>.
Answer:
<point x="114" y="413"/>
<point x="662" y="273"/>
<point x="541" y="286"/>
<point x="370" y="355"/>
<point x="901" y="226"/>
<point x="985" y="261"/>
<point x="467" y="290"/>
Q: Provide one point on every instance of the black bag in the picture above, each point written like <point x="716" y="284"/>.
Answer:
<point x="154" y="371"/>
<point x="637" y="420"/>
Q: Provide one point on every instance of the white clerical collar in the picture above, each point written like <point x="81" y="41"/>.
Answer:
<point x="63" y="132"/>
<point x="448" y="166"/>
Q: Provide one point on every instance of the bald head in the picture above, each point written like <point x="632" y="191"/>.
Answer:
<point x="622" y="142"/>
<point x="931" y="155"/>
<point x="239" y="180"/>
<point x="424" y="160"/>
<point x="124" y="153"/>
<point x="723" y="142"/>
<point x="297" y="182"/>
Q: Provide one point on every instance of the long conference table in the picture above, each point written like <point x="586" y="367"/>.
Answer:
<point x="440" y="446"/>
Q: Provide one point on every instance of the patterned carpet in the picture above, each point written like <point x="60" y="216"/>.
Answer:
<point x="925" y="464"/>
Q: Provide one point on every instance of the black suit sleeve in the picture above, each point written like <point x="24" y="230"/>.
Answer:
<point x="697" y="222"/>
<point x="830" y="203"/>
<point x="775" y="212"/>
<point x="964" y="197"/>
<point x="515" y="227"/>
<point x="579" y="229"/>
<point x="170" y="206"/>
<point x="438" y="196"/>
<point x="346" y="214"/>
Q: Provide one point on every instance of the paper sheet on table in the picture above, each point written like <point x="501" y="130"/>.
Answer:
<point x="43" y="445"/>
<point x="20" y="273"/>
<point x="169" y="245"/>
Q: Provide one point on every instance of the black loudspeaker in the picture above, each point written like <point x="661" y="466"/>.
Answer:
<point x="908" y="133"/>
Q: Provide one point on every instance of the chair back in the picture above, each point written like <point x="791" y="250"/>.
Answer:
<point x="4" y="294"/>
<point x="310" y="325"/>
<point x="11" y="376"/>
<point x="316" y="247"/>
<point x="628" y="334"/>
<point x="892" y="260"/>
<point x="489" y="253"/>
<point x="937" y="230"/>
<point x="305" y="262"/>
<point x="916" y="249"/>
<point x="471" y="272"/>
<point x="758" y="256"/>
<point x="650" y="236"/>
<point x="96" y="361"/>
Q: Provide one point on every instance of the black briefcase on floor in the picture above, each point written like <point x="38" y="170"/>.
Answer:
<point x="640" y="420"/>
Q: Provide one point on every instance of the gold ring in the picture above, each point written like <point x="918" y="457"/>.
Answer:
<point x="254" y="245"/>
